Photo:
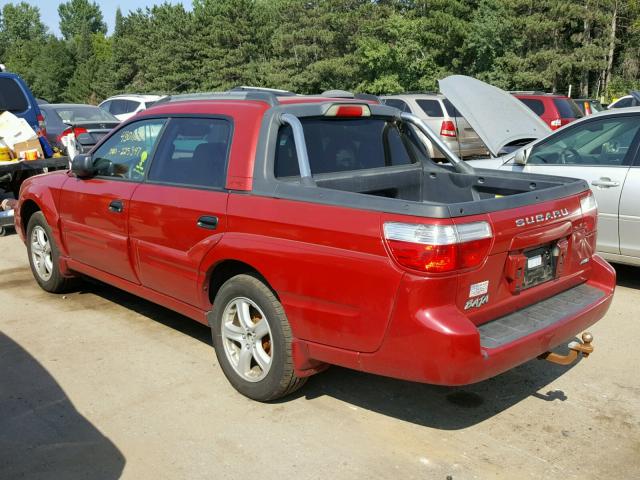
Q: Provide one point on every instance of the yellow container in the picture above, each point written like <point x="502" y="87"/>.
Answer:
<point x="5" y="154"/>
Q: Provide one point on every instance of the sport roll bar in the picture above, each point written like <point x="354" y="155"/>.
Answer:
<point x="301" y="147"/>
<point x="459" y="165"/>
<point x="303" y="157"/>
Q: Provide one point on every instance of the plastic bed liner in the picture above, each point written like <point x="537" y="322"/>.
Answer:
<point x="537" y="316"/>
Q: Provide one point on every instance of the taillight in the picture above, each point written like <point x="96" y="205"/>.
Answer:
<point x="589" y="209"/>
<point x="447" y="129"/>
<point x="438" y="248"/>
<point x="348" y="110"/>
<point x="71" y="131"/>
<point x="557" y="123"/>
<point x="42" y="126"/>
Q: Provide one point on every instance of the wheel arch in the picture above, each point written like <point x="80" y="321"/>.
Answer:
<point x="229" y="268"/>
<point x="27" y="209"/>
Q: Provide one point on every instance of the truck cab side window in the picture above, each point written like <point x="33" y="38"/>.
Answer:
<point x="124" y="155"/>
<point x="193" y="152"/>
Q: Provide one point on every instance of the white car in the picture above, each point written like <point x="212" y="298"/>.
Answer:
<point x="602" y="149"/>
<point x="124" y="107"/>
<point x="631" y="100"/>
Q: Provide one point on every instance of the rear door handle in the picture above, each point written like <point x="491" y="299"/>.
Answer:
<point x="207" y="222"/>
<point x="605" y="182"/>
<point x="116" y="206"/>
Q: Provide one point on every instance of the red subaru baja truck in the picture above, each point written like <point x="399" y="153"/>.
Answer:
<point x="312" y="231"/>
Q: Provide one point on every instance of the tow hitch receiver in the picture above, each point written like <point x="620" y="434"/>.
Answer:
<point x="575" y="349"/>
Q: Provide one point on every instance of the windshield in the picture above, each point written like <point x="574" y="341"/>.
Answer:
<point x="338" y="145"/>
<point x="84" y="113"/>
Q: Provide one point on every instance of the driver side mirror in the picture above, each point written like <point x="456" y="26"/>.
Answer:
<point x="521" y="156"/>
<point x="82" y="166"/>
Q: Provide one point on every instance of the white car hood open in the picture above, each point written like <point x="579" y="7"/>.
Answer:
<point x="497" y="116"/>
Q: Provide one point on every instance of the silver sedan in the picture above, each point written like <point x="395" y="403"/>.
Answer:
<point x="603" y="150"/>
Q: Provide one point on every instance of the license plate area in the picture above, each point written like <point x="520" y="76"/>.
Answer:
<point x="539" y="266"/>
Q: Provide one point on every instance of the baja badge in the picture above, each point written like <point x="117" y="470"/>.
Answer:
<point x="476" y="302"/>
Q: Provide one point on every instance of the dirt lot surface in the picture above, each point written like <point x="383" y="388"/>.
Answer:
<point x="99" y="384"/>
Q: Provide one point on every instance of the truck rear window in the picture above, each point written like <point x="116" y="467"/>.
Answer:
<point x="12" y="97"/>
<point x="339" y="145"/>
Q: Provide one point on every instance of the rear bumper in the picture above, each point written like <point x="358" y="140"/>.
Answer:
<point x="442" y="346"/>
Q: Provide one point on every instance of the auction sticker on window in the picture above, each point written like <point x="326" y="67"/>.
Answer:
<point x="534" y="262"/>
<point x="479" y="288"/>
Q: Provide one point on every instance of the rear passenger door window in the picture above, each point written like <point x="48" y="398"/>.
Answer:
<point x="431" y="108"/>
<point x="535" y="105"/>
<point x="193" y="152"/>
<point x="130" y="106"/>
<point x="118" y="107"/>
<point x="397" y="103"/>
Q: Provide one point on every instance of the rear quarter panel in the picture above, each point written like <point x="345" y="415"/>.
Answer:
<point x="327" y="264"/>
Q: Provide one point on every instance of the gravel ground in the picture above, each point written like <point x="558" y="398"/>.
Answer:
<point x="99" y="384"/>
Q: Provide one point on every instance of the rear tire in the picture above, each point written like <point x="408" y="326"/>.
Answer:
<point x="44" y="256"/>
<point x="252" y="339"/>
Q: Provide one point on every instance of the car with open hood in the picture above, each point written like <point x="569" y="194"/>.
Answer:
<point x="602" y="149"/>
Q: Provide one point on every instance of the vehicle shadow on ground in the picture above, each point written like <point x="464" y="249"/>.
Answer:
<point x="151" y="310"/>
<point x="627" y="275"/>
<point x="42" y="435"/>
<point x="446" y="408"/>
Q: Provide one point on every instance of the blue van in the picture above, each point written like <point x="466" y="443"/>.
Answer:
<point x="16" y="97"/>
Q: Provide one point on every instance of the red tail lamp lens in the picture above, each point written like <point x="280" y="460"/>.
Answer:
<point x="438" y="248"/>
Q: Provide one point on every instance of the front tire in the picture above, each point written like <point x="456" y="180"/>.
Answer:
<point x="252" y="339"/>
<point x="44" y="255"/>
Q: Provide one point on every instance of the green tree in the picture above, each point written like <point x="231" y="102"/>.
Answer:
<point x="78" y="16"/>
<point x="19" y="23"/>
<point x="226" y="40"/>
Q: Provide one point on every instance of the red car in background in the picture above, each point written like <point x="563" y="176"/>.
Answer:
<point x="555" y="110"/>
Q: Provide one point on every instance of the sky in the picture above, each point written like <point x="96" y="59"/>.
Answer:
<point x="49" y="9"/>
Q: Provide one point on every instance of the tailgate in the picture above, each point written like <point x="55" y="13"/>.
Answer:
<point x="538" y="251"/>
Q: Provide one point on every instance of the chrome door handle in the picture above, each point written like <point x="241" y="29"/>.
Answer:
<point x="605" y="182"/>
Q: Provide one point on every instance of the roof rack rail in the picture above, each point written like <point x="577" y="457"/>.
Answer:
<point x="276" y="91"/>
<point x="417" y="92"/>
<point x="530" y="92"/>
<point x="136" y="95"/>
<point x="267" y="97"/>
